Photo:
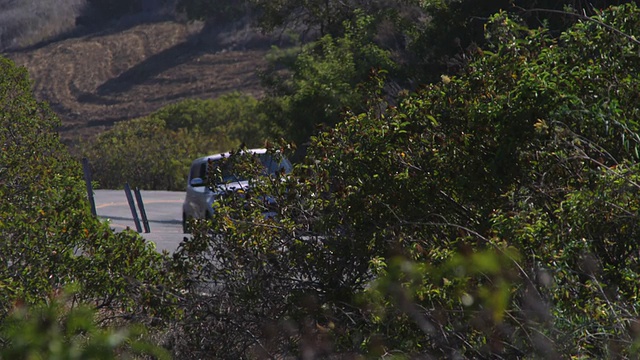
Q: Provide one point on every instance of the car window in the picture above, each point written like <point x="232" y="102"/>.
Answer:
<point x="200" y="170"/>
<point x="270" y="164"/>
<point x="196" y="171"/>
<point x="228" y="176"/>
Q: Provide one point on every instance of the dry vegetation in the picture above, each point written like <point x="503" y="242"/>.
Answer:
<point x="95" y="80"/>
<point x="24" y="22"/>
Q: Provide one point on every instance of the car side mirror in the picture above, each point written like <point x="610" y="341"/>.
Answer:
<point x="196" y="182"/>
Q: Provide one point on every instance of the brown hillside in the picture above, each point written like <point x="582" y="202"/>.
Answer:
<point x="95" y="80"/>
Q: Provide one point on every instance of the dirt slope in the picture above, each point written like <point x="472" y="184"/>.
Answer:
<point x="95" y="80"/>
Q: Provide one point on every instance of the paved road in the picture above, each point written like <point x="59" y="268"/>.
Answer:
<point x="163" y="209"/>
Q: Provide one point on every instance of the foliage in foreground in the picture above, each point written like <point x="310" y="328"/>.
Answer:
<point x="48" y="236"/>
<point x="54" y="331"/>
<point x="494" y="214"/>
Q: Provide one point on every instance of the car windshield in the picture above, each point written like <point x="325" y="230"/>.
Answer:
<point x="271" y="166"/>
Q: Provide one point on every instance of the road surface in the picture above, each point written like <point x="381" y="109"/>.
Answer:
<point x="163" y="209"/>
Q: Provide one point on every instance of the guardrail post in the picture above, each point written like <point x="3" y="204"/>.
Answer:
<point x="87" y="179"/>
<point x="143" y="213"/>
<point x="132" y="206"/>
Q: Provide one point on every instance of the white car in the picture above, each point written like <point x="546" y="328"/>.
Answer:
<point x="201" y="196"/>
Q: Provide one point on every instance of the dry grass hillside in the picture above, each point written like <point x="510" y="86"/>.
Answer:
<point x="95" y="80"/>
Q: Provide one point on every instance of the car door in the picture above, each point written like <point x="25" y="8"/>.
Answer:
<point x="196" y="202"/>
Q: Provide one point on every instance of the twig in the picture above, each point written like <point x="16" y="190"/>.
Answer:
<point x="586" y="18"/>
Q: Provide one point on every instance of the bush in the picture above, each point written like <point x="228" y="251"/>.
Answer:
<point x="155" y="152"/>
<point x="54" y="331"/>
<point x="490" y="215"/>
<point x="326" y="78"/>
<point x="229" y="120"/>
<point x="49" y="237"/>
<point x="142" y="152"/>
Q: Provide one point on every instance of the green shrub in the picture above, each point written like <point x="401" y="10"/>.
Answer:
<point x="325" y="79"/>
<point x="48" y="236"/>
<point x="55" y="331"/>
<point x="491" y="215"/>
<point x="155" y="152"/>
<point x="142" y="152"/>
<point x="230" y="119"/>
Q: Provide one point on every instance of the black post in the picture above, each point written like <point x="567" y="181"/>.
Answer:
<point x="87" y="180"/>
<point x="143" y="213"/>
<point x="132" y="205"/>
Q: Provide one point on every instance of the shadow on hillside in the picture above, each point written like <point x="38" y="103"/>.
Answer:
<point x="206" y="42"/>
<point x="149" y="68"/>
<point x="96" y="29"/>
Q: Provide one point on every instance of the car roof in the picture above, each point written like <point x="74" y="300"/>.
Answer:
<point x="219" y="156"/>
